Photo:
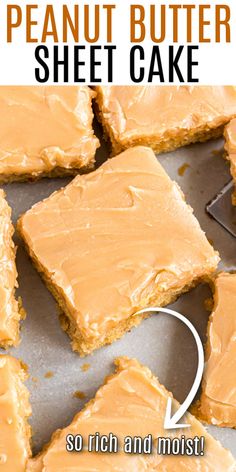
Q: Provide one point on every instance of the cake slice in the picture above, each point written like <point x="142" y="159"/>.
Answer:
<point x="15" y="432"/>
<point x="45" y="131"/>
<point x="218" y="400"/>
<point x="163" y="118"/>
<point x="131" y="403"/>
<point x="10" y="309"/>
<point x="114" y="241"/>
<point x="230" y="148"/>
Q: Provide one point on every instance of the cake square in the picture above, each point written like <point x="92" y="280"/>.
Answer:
<point x="15" y="432"/>
<point x="115" y="241"/>
<point x="131" y="403"/>
<point x="11" y="310"/>
<point x="45" y="131"/>
<point x="163" y="117"/>
<point x="230" y="148"/>
<point x="218" y="399"/>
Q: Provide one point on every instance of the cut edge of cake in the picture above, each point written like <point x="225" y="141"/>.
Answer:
<point x="12" y="336"/>
<point x="228" y="155"/>
<point x="83" y="345"/>
<point x="196" y="409"/>
<point x="20" y="396"/>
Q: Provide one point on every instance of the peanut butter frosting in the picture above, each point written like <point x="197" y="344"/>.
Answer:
<point x="10" y="312"/>
<point x="43" y="129"/>
<point x="132" y="402"/>
<point x="218" y="400"/>
<point x="164" y="117"/>
<point x="116" y="240"/>
<point x="230" y="147"/>
<point x="14" y="410"/>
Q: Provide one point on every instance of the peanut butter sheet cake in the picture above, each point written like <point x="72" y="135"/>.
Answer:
<point x="14" y="411"/>
<point x="10" y="309"/>
<point x="163" y="118"/>
<point x="218" y="400"/>
<point x="45" y="131"/>
<point x="114" y="241"/>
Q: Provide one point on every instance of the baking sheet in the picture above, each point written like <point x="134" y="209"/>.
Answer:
<point x="162" y="343"/>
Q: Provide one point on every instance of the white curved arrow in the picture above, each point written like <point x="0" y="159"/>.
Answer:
<point x="172" y="422"/>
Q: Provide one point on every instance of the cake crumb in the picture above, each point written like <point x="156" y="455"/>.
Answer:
<point x="78" y="394"/>
<point x="34" y="379"/>
<point x="211" y="241"/>
<point x="182" y="169"/>
<point x="24" y="366"/>
<point x="22" y="311"/>
<point x="63" y="321"/>
<point x="48" y="375"/>
<point x="85" y="367"/>
<point x="208" y="304"/>
<point x="217" y="152"/>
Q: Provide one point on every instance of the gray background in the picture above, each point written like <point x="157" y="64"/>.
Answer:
<point x="161" y="342"/>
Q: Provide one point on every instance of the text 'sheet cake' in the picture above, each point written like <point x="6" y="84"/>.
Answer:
<point x="163" y="118"/>
<point x="115" y="241"/>
<point x="45" y="131"/>
<point x="131" y="403"/>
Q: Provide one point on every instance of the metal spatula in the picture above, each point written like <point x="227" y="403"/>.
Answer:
<point x="222" y="210"/>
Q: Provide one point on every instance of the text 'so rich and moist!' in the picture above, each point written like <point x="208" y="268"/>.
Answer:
<point x="131" y="403"/>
